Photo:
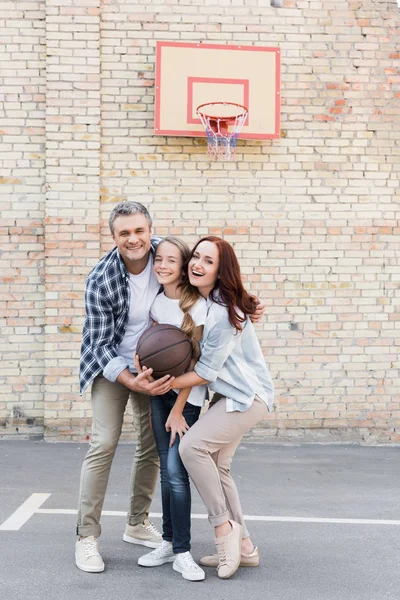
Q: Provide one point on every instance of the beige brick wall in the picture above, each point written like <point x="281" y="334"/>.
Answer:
<point x="313" y="216"/>
<point x="22" y="202"/>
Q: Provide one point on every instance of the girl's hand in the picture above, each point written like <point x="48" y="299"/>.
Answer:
<point x="176" y="424"/>
<point x="143" y="369"/>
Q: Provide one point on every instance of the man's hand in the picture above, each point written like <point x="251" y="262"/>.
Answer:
<point x="259" y="312"/>
<point x="176" y="424"/>
<point x="144" y="383"/>
<point x="156" y="387"/>
<point x="141" y="369"/>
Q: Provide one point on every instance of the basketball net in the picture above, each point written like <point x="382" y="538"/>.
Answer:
<point x="222" y="131"/>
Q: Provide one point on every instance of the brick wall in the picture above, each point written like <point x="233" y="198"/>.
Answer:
<point x="313" y="216"/>
<point x="22" y="202"/>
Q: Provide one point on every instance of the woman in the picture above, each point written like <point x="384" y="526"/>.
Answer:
<point x="232" y="364"/>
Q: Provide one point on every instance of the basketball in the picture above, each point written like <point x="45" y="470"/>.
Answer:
<point x="165" y="349"/>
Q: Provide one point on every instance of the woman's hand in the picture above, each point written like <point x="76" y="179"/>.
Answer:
<point x="143" y="369"/>
<point x="176" y="424"/>
<point x="259" y="312"/>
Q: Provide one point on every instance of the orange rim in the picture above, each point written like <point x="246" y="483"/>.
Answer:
<point x="215" y="117"/>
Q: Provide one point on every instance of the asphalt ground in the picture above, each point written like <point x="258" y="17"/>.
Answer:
<point x="326" y="520"/>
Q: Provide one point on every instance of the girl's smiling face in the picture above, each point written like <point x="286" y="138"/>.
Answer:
<point x="168" y="264"/>
<point x="203" y="267"/>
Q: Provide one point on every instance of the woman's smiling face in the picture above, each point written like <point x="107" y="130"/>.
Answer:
<point x="203" y="267"/>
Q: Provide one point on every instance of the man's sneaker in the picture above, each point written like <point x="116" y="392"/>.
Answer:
<point x="246" y="560"/>
<point x="189" y="570"/>
<point x="87" y="556"/>
<point x="158" y="557"/>
<point x="228" y="548"/>
<point x="144" y="534"/>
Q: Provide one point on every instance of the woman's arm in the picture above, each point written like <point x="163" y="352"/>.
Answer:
<point x="217" y="347"/>
<point x="190" y="379"/>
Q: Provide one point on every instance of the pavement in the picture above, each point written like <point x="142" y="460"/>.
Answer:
<point x="325" y="518"/>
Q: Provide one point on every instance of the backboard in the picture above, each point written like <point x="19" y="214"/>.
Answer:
<point x="191" y="74"/>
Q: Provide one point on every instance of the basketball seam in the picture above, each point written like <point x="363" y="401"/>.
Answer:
<point x="144" y="337"/>
<point x="174" y="367"/>
<point x="163" y="350"/>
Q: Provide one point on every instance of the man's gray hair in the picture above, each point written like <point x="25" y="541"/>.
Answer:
<point x="124" y="209"/>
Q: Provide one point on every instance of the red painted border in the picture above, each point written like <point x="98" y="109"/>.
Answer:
<point x="248" y="136"/>
<point x="218" y="46"/>
<point x="277" y="94"/>
<point x="158" y="88"/>
<point x="192" y="80"/>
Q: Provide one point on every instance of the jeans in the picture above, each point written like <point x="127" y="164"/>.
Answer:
<point x="175" y="486"/>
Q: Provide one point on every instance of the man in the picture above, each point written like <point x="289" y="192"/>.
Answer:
<point x="119" y="293"/>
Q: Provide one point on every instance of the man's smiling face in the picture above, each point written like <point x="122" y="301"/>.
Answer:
<point x="132" y="235"/>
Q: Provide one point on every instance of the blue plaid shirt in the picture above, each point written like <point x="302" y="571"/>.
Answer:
<point x="107" y="299"/>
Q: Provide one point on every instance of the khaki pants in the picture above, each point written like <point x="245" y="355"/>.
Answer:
<point x="207" y="450"/>
<point x="109" y="402"/>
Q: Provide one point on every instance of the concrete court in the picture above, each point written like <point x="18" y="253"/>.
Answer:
<point x="300" y="560"/>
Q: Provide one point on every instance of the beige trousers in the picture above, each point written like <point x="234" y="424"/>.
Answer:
<point x="109" y="402"/>
<point x="207" y="450"/>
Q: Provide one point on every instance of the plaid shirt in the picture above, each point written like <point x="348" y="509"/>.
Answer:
<point x="107" y="299"/>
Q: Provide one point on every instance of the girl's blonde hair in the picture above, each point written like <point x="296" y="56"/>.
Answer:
<point x="189" y="294"/>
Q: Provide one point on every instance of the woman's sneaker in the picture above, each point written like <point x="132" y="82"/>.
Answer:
<point x="144" y="534"/>
<point x="186" y="566"/>
<point x="87" y="556"/>
<point x="246" y="560"/>
<point x="158" y="557"/>
<point x="229" y="549"/>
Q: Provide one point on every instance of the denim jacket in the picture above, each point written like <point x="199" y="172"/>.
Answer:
<point x="232" y="361"/>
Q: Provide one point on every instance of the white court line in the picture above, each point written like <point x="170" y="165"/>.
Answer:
<point x="32" y="506"/>
<point x="24" y="512"/>
<point x="119" y="513"/>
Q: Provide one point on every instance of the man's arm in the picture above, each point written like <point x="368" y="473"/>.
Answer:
<point x="100" y="324"/>
<point x="257" y="316"/>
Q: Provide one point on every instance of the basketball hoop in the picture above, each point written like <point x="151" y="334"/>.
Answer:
<point x="222" y="122"/>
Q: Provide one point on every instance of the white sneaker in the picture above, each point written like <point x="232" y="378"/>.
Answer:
<point x="144" y="534"/>
<point x="87" y="556"/>
<point x="185" y="565"/>
<point x="158" y="557"/>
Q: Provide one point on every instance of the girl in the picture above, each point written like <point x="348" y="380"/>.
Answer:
<point x="171" y="414"/>
<point x="232" y="364"/>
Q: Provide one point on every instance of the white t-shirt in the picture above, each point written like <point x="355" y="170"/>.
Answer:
<point x="166" y="310"/>
<point x="143" y="290"/>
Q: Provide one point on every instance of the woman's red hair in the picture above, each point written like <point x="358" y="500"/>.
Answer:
<point x="228" y="290"/>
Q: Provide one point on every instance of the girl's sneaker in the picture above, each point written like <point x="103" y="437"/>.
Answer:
<point x="158" y="557"/>
<point x="186" y="566"/>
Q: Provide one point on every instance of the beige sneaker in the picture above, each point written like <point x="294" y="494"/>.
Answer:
<point x="246" y="560"/>
<point x="87" y="556"/>
<point x="228" y="548"/>
<point x="144" y="534"/>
